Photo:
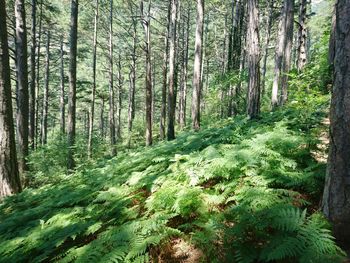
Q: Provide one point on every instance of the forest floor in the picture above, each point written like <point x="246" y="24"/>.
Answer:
<point x="237" y="191"/>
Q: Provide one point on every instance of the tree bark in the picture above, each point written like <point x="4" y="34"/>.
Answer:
<point x="111" y="84"/>
<point x="197" y="81"/>
<point x="336" y="197"/>
<point x="120" y="92"/>
<point x="9" y="176"/>
<point x="267" y="42"/>
<point x="172" y="62"/>
<point x="62" y="95"/>
<point x="37" y="81"/>
<point x="93" y="92"/>
<point x="31" y="138"/>
<point x="146" y="22"/>
<point x="253" y="104"/>
<point x="165" y="77"/>
<point x="288" y="51"/>
<point x="72" y="83"/>
<point x="302" y="36"/>
<point x="46" y="93"/>
<point x="22" y="82"/>
<point x="132" y="79"/>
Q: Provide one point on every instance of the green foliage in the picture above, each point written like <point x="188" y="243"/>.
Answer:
<point x="241" y="190"/>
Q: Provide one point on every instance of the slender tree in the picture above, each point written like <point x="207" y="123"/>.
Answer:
<point x="46" y="93"/>
<point x="197" y="68"/>
<point x="62" y="93"/>
<point x="172" y="62"/>
<point x="32" y="78"/>
<point x="253" y="52"/>
<point x="72" y="83"/>
<point x="111" y="83"/>
<point x="302" y="36"/>
<point x="93" y="91"/>
<point x="22" y="85"/>
<point x="9" y="177"/>
<point x="146" y="23"/>
<point x="165" y="77"/>
<point x="336" y="197"/>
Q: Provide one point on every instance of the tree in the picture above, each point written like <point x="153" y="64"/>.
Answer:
<point x="253" y="52"/>
<point x="46" y="93"/>
<point x="93" y="91"/>
<point x="336" y="196"/>
<point x="62" y="94"/>
<point x="22" y="85"/>
<point x="146" y="22"/>
<point x="172" y="62"/>
<point x="111" y="83"/>
<point x="32" y="78"/>
<point x="283" y="53"/>
<point x="197" y="68"/>
<point x="9" y="177"/>
<point x="302" y="36"/>
<point x="72" y="83"/>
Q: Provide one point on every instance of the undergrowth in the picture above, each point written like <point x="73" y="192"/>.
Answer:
<point x="240" y="190"/>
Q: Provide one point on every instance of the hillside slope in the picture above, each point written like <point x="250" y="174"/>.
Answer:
<point x="239" y="191"/>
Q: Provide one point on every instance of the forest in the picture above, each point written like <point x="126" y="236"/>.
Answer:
<point x="164" y="131"/>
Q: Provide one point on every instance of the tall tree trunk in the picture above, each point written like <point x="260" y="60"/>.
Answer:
<point x="120" y="92"/>
<point x="46" y="93"/>
<point x="253" y="104"/>
<point x="102" y="125"/>
<point x="302" y="36"/>
<point x="183" y="83"/>
<point x="72" y="83"/>
<point x="146" y="22"/>
<point x="283" y="50"/>
<point x="165" y="77"/>
<point x="62" y="100"/>
<point x="93" y="92"/>
<point x="22" y="82"/>
<point x="185" y="70"/>
<point x="9" y="177"/>
<point x="267" y="42"/>
<point x="287" y="51"/>
<point x="172" y="62"/>
<point x="336" y="197"/>
<point x="132" y="80"/>
<point x="31" y="138"/>
<point x="197" y="82"/>
<point x="37" y="81"/>
<point x="111" y="84"/>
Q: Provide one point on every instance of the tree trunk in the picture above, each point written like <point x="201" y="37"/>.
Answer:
<point x="102" y="125"/>
<point x="197" y="82"/>
<point x="267" y="42"/>
<point x="120" y="92"/>
<point x="132" y="80"/>
<point x="253" y="104"/>
<point x="22" y="82"/>
<point x="185" y="70"/>
<point x="336" y="197"/>
<point x="302" y="36"/>
<point x="93" y="92"/>
<point x="287" y="51"/>
<point x="72" y="83"/>
<point x="31" y="138"/>
<point x="9" y="177"/>
<point x="37" y="81"/>
<point x="46" y="93"/>
<point x="111" y="84"/>
<point x="172" y="62"/>
<point x="146" y="22"/>
<point x="283" y="53"/>
<point x="62" y="101"/>
<point x="165" y="77"/>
